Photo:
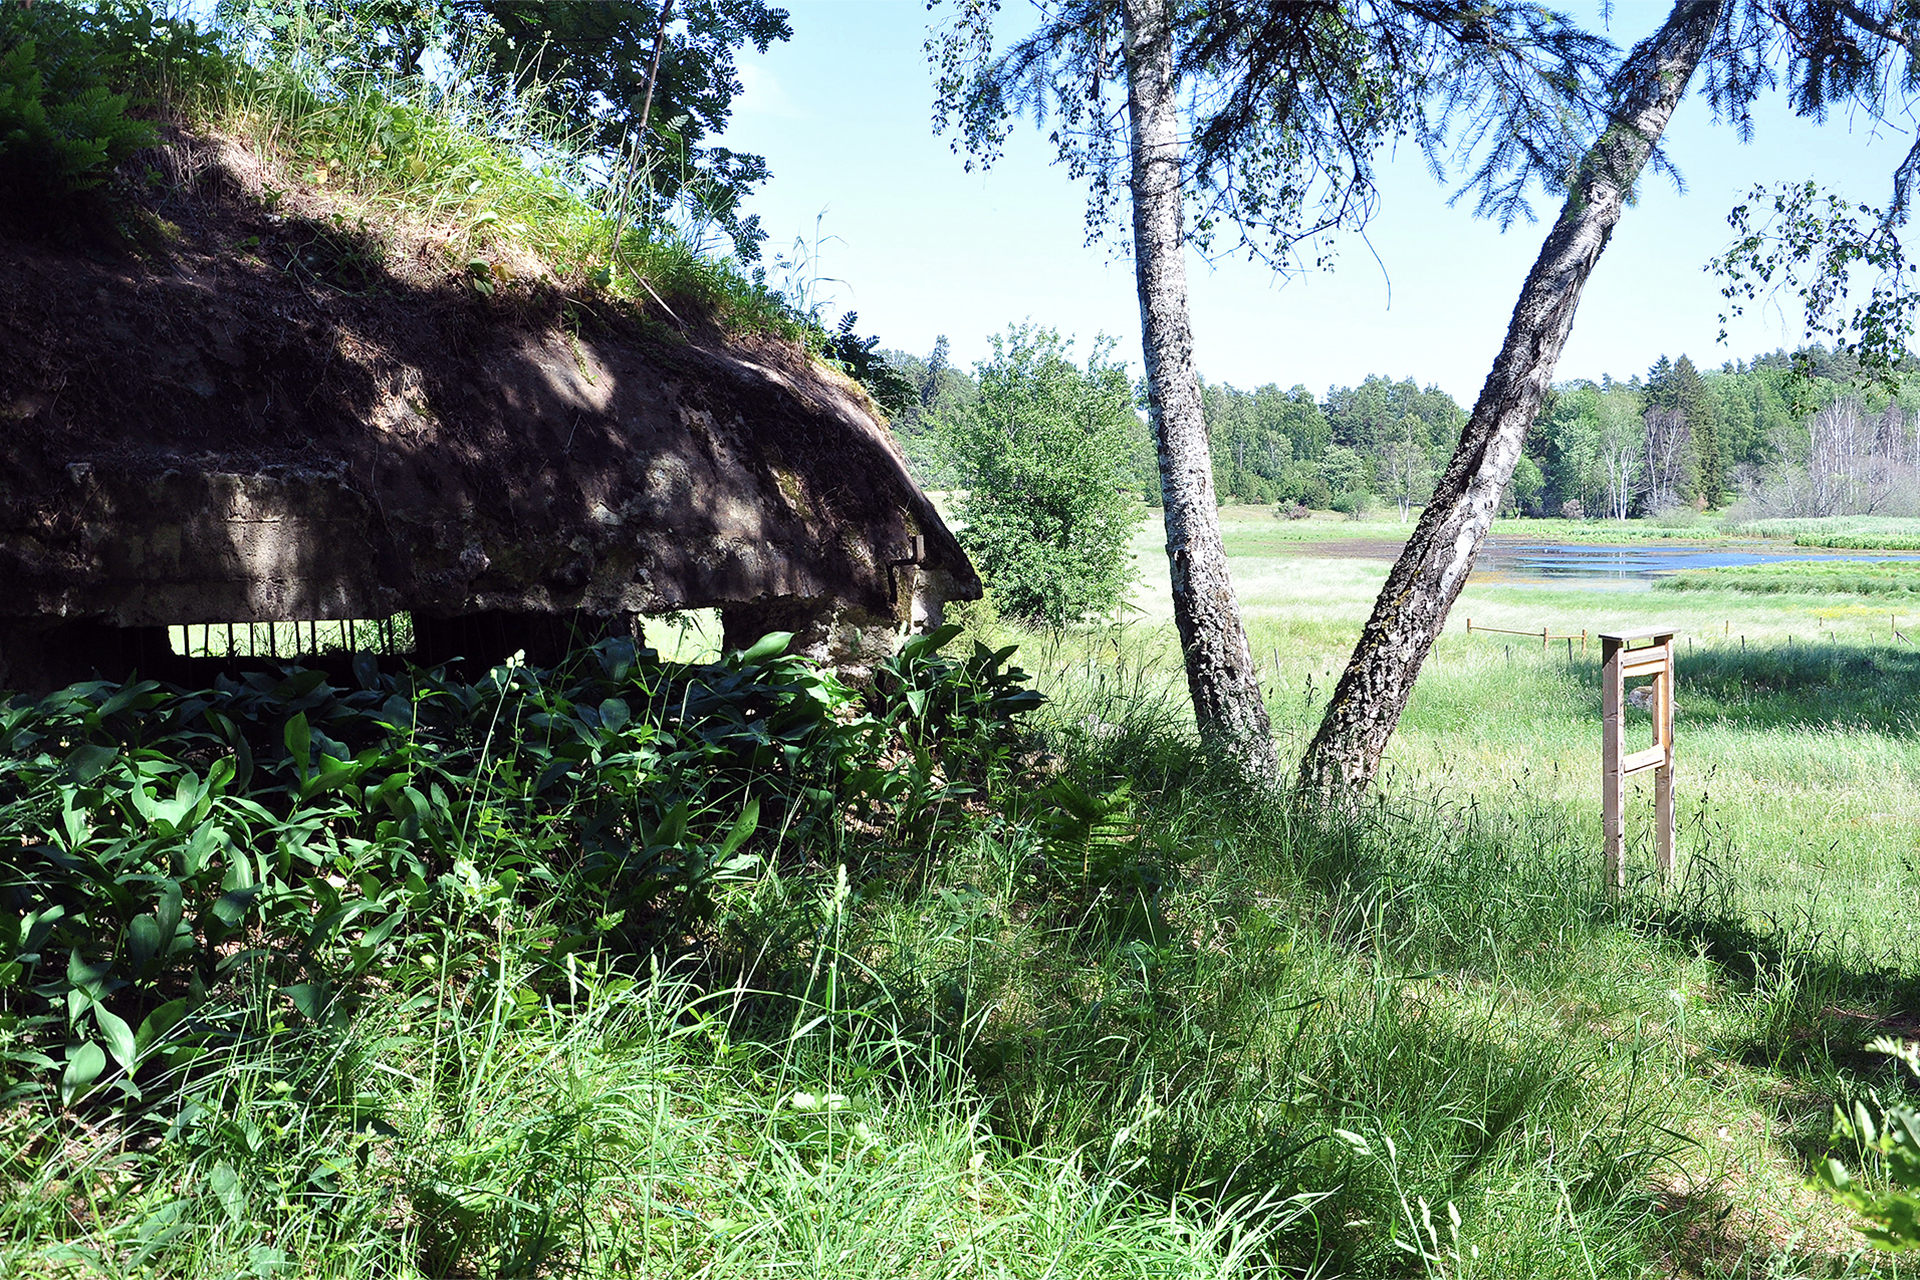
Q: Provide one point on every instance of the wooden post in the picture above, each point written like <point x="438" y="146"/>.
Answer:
<point x="1612" y="781"/>
<point x="1623" y="658"/>
<point x="1663" y="771"/>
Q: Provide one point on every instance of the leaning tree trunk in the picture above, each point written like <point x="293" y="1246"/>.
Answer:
<point x="1373" y="691"/>
<point x="1220" y="675"/>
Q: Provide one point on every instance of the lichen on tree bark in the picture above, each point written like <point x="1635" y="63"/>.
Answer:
<point x="1227" y="704"/>
<point x="1374" y="689"/>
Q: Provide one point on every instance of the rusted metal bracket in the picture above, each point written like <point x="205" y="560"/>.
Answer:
<point x="915" y="557"/>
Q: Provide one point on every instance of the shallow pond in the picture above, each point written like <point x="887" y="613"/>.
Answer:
<point x="1517" y="560"/>
<point x="1523" y="560"/>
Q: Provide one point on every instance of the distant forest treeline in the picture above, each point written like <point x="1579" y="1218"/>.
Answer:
<point x="1784" y="434"/>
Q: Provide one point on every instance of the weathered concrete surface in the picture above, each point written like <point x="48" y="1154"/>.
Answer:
<point x="228" y="435"/>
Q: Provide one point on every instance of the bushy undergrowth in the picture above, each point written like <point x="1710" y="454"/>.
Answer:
<point x="76" y="88"/>
<point x="720" y="970"/>
<point x="178" y="854"/>
<point x="1888" y="1136"/>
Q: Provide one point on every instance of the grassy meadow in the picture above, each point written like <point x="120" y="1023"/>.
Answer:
<point x="707" y="966"/>
<point x="1008" y="993"/>
<point x="1799" y="713"/>
<point x="1798" y="735"/>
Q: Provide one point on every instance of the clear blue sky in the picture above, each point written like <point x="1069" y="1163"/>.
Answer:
<point x="920" y="247"/>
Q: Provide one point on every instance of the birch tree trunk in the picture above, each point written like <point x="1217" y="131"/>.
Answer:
<point x="1373" y="691"/>
<point x="1220" y="674"/>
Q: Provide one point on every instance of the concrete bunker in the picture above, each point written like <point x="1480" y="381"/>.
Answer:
<point x="218" y="436"/>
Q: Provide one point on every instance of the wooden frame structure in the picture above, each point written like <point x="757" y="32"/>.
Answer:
<point x="1625" y="656"/>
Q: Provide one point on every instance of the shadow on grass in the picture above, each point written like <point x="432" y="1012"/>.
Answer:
<point x="1810" y="1013"/>
<point x="1701" y="1232"/>
<point x="1315" y="979"/>
<point x="1814" y="1008"/>
<point x="1798" y="686"/>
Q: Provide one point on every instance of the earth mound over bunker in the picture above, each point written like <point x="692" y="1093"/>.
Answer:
<point x="283" y="417"/>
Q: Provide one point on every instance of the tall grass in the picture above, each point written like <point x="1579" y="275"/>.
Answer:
<point x="462" y="1133"/>
<point x="1413" y="1042"/>
<point x="1106" y="1011"/>
<point x="1858" y="532"/>
<point x="1852" y="577"/>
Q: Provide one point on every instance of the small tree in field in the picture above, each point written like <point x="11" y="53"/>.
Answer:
<point x="1044" y="451"/>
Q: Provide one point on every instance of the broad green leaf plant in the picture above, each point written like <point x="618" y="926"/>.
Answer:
<point x="1888" y="1138"/>
<point x="186" y="872"/>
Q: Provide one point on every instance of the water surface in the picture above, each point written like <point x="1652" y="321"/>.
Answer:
<point x="1519" y="560"/>
<point x="1630" y="564"/>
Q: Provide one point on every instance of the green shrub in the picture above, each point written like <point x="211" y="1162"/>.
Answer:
<point x="188" y="869"/>
<point x="62" y="130"/>
<point x="1045" y="452"/>
<point x="69" y="79"/>
<point x="1354" y="502"/>
<point x="1890" y="1137"/>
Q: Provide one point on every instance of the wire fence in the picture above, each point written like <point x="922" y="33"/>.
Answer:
<point x="1546" y="635"/>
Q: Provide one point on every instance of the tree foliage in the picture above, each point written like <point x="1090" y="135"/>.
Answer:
<point x="868" y="365"/>
<point x="602" y="55"/>
<point x="1802" y="238"/>
<point x="1751" y="431"/>
<point x="1289" y="104"/>
<point x="1810" y="242"/>
<point x="1382" y="436"/>
<point x="940" y="387"/>
<point x="1043" y="450"/>
<point x="1267" y="444"/>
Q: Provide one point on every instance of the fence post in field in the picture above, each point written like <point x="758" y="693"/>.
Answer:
<point x="1626" y="656"/>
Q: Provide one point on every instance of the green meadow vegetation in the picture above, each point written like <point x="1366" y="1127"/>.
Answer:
<point x="491" y="173"/>
<point x="707" y="965"/>
<point x="716" y="967"/>
<point x="1837" y="577"/>
<point x="1853" y="533"/>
